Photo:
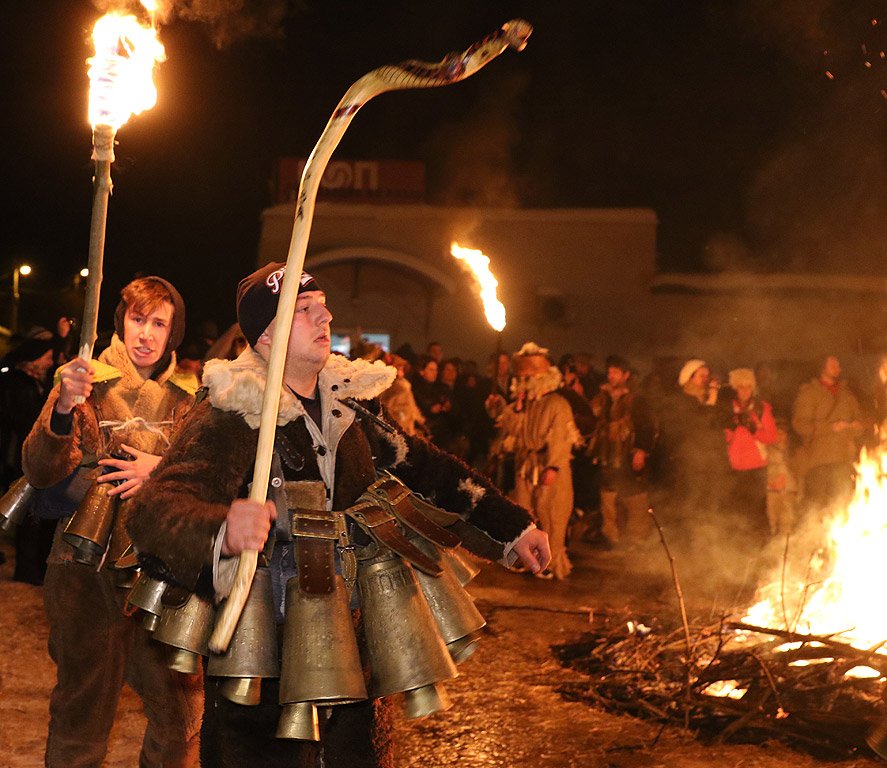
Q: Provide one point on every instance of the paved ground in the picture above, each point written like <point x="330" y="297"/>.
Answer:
<point x="506" y="709"/>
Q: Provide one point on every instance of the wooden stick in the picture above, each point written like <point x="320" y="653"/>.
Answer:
<point x="677" y="587"/>
<point x="410" y="74"/>
<point x="103" y="155"/>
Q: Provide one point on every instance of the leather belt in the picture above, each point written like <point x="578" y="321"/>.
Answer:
<point x="381" y="525"/>
<point x="315" y="536"/>
<point x="392" y="493"/>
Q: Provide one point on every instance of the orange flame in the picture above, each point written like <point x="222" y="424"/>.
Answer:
<point x="833" y="595"/>
<point x="121" y="71"/>
<point x="479" y="265"/>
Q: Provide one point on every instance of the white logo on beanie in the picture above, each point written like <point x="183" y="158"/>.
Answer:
<point x="273" y="281"/>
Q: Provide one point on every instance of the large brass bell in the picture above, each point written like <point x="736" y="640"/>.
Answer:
<point x="457" y="618"/>
<point x="464" y="569"/>
<point x="406" y="651"/>
<point x="252" y="652"/>
<point x="14" y="504"/>
<point x="321" y="661"/>
<point x="146" y="594"/>
<point x="89" y="528"/>
<point x="187" y="629"/>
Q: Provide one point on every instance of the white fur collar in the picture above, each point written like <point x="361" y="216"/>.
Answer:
<point x="239" y="385"/>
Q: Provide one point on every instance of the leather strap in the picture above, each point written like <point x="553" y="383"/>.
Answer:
<point x="315" y="537"/>
<point x="391" y="491"/>
<point x="381" y="525"/>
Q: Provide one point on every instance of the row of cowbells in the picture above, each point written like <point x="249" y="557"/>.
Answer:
<point x="88" y="530"/>
<point x="416" y="626"/>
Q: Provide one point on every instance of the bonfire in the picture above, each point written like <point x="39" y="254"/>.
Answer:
<point x="806" y="663"/>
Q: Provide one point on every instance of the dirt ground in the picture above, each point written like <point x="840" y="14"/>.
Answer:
<point x="506" y="709"/>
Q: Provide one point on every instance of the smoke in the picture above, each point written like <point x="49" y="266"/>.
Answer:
<point x="472" y="158"/>
<point x="227" y="21"/>
<point x="817" y="200"/>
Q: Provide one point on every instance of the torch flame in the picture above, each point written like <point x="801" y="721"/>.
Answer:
<point x="120" y="72"/>
<point x="480" y="268"/>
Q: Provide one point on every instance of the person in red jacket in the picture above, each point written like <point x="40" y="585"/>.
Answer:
<point x="753" y="429"/>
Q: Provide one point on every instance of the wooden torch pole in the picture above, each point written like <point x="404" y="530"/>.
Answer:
<point x="103" y="155"/>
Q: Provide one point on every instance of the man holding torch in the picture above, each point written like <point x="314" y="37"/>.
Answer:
<point x="130" y="403"/>
<point x="190" y="516"/>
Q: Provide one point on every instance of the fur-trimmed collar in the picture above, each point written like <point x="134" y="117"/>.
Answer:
<point x="115" y="356"/>
<point x="239" y="385"/>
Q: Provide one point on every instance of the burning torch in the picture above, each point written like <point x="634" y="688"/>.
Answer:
<point x="120" y="86"/>
<point x="479" y="266"/>
<point x="406" y="75"/>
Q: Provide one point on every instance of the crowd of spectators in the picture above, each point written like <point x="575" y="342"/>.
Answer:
<point x="707" y="457"/>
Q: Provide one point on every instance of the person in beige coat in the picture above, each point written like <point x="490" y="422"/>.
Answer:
<point x="538" y="427"/>
<point x="826" y="416"/>
<point x="132" y="402"/>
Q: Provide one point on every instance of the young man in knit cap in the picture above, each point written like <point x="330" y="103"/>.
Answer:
<point x="538" y="427"/>
<point x="131" y="405"/>
<point x="191" y="515"/>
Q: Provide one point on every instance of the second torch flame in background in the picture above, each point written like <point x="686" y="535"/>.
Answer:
<point x="479" y="265"/>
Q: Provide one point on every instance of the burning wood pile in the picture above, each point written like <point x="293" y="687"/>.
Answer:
<point x="741" y="683"/>
<point x="806" y="664"/>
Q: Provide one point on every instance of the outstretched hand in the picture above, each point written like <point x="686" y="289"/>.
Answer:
<point x="132" y="472"/>
<point x="533" y="550"/>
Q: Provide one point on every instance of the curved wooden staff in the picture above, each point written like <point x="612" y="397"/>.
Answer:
<point x="409" y="74"/>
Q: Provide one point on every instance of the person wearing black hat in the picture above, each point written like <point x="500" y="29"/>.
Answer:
<point x="132" y="402"/>
<point x="332" y="439"/>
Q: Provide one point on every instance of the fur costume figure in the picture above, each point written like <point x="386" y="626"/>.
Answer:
<point x="538" y="427"/>
<point x="180" y="510"/>
<point x="94" y="644"/>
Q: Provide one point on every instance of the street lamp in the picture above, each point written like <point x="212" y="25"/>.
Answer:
<point x="22" y="269"/>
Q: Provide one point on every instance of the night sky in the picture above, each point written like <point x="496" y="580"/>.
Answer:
<point x="721" y="116"/>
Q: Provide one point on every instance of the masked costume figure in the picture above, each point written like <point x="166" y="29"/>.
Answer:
<point x="538" y="427"/>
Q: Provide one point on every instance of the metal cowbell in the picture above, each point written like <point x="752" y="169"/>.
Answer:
<point x="321" y="660"/>
<point x="89" y="528"/>
<point x="457" y="618"/>
<point x="252" y="652"/>
<point x="406" y="652"/>
<point x="299" y="722"/>
<point x="187" y="630"/>
<point x="464" y="569"/>
<point x="14" y="504"/>
<point x="146" y="594"/>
